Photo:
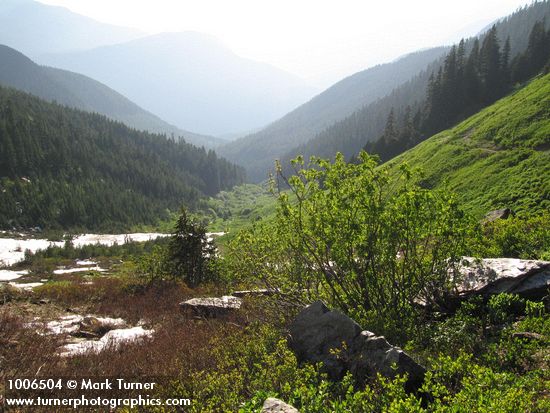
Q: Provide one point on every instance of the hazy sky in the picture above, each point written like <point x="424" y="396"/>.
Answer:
<point x="319" y="40"/>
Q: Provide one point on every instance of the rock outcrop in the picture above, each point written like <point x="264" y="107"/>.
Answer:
<point x="498" y="214"/>
<point x="332" y="338"/>
<point x="211" y="307"/>
<point x="272" y="405"/>
<point x="489" y="276"/>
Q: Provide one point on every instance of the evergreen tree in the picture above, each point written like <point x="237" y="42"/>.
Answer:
<point x="462" y="86"/>
<point x="190" y="254"/>
<point x="490" y="67"/>
<point x="505" y="64"/>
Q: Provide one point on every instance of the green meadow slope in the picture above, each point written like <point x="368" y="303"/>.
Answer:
<point x="498" y="158"/>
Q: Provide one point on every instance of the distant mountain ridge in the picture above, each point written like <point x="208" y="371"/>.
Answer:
<point x="350" y="134"/>
<point x="284" y="140"/>
<point x="192" y="80"/>
<point x="257" y="151"/>
<point x="81" y="92"/>
<point x="35" y="28"/>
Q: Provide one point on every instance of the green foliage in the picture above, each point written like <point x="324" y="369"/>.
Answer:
<point x="487" y="332"/>
<point x="255" y="363"/>
<point x="461" y="385"/>
<point x="153" y="267"/>
<point x="517" y="237"/>
<point x="230" y="211"/>
<point x="352" y="238"/>
<point x="190" y="255"/>
<point x="503" y="307"/>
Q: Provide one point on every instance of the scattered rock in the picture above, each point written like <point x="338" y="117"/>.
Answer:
<point x="488" y="276"/>
<point x="373" y="354"/>
<point x="272" y="405"/>
<point x="90" y="327"/>
<point x="528" y="335"/>
<point x="317" y="333"/>
<point x="498" y="214"/>
<point x="321" y="335"/>
<point x="211" y="307"/>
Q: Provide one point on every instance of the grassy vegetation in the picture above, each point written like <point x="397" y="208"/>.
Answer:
<point x="231" y="211"/>
<point x="498" y="158"/>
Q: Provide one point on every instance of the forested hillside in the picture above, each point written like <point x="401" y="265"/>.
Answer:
<point x="61" y="167"/>
<point x="465" y="83"/>
<point x="368" y="124"/>
<point x="497" y="158"/>
<point x="258" y="150"/>
<point x="82" y="92"/>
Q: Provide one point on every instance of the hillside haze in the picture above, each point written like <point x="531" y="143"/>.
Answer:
<point x="192" y="80"/>
<point x="354" y="110"/>
<point x="367" y="124"/>
<point x="258" y="150"/>
<point x="35" y="28"/>
<point x="81" y="92"/>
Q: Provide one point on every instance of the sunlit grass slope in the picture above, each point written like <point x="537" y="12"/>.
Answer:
<point x="497" y="158"/>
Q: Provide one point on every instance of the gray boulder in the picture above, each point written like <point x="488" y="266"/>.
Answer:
<point x="272" y="405"/>
<point x="488" y="276"/>
<point x="498" y="214"/>
<point x="332" y="338"/>
<point x="317" y="334"/>
<point x="211" y="307"/>
<point x="373" y="354"/>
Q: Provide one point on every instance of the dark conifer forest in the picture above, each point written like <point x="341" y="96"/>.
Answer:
<point x="61" y="167"/>
<point x="464" y="84"/>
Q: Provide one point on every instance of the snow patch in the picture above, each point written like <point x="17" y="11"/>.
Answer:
<point x="85" y="262"/>
<point x="13" y="250"/>
<point x="71" y="324"/>
<point x="7" y="275"/>
<point x="113" y="339"/>
<point x="81" y="269"/>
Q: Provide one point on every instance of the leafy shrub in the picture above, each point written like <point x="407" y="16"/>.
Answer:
<point x="461" y="385"/>
<point x="517" y="237"/>
<point x="503" y="307"/>
<point x="345" y="234"/>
